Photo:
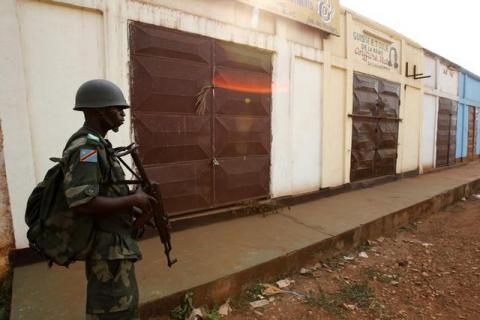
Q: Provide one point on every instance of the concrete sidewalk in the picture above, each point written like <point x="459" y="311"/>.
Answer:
<point x="215" y="260"/>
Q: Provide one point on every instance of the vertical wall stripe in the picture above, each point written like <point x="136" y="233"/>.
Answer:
<point x="465" y="130"/>
<point x="478" y="135"/>
<point x="460" y="125"/>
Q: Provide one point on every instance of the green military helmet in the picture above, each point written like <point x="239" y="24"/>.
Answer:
<point x="99" y="93"/>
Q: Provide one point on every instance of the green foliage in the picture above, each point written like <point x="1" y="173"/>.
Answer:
<point x="374" y="274"/>
<point x="212" y="314"/>
<point x="381" y="313"/>
<point x="184" y="310"/>
<point x="356" y="293"/>
<point x="359" y="294"/>
<point x="326" y="301"/>
<point x="254" y="291"/>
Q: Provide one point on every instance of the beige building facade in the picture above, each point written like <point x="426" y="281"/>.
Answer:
<point x="318" y="80"/>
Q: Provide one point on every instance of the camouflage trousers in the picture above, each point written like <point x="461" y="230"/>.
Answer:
<point x="112" y="291"/>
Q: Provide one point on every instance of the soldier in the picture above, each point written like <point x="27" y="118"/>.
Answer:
<point x="92" y="187"/>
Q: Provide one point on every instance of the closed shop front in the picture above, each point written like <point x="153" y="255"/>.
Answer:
<point x="375" y="127"/>
<point x="469" y="100"/>
<point x="446" y="132"/>
<point x="199" y="76"/>
<point x="453" y="127"/>
<point x="201" y="115"/>
<point x="472" y="132"/>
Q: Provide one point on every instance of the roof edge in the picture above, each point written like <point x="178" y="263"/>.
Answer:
<point x="376" y="25"/>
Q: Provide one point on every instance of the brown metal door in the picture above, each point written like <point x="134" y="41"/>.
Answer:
<point x="446" y="132"/>
<point x="375" y="127"/>
<point x="242" y="102"/>
<point x="471" y="133"/>
<point x="203" y="154"/>
<point x="365" y="98"/>
<point x="476" y="128"/>
<point x="387" y="128"/>
<point x="168" y="69"/>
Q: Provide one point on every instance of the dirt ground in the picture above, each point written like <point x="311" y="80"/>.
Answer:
<point x="427" y="270"/>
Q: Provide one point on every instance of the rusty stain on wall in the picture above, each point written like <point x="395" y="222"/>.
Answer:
<point x="6" y="229"/>
<point x="6" y="225"/>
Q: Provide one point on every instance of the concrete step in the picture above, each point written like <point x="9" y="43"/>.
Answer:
<point x="216" y="260"/>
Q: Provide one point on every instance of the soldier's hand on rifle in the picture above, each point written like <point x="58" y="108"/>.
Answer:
<point x="144" y="201"/>
<point x="136" y="212"/>
<point x="141" y="218"/>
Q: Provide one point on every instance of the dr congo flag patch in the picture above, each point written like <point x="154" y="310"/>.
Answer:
<point x="88" y="155"/>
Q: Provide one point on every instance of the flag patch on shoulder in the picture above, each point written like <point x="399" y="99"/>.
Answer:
<point x="88" y="155"/>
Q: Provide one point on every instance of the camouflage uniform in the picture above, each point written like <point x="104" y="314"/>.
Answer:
<point x="90" y="171"/>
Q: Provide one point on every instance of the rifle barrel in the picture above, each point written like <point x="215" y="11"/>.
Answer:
<point x="160" y="217"/>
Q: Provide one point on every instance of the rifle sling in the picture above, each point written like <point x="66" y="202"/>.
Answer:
<point x="129" y="169"/>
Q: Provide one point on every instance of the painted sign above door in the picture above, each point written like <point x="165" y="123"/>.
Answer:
<point x="321" y="14"/>
<point x="375" y="48"/>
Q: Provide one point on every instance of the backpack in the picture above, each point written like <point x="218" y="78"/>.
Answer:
<point x="54" y="230"/>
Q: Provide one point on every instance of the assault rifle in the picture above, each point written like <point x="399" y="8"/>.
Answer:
<point x="160" y="218"/>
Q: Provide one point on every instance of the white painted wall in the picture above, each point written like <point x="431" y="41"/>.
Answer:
<point x="411" y="104"/>
<point x="334" y="126"/>
<point x="447" y="79"/>
<point x="411" y="129"/>
<point x="281" y="148"/>
<point x="62" y="48"/>
<point x="429" y="131"/>
<point x="55" y="49"/>
<point x="15" y="121"/>
<point x="430" y="67"/>
<point x="306" y="123"/>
